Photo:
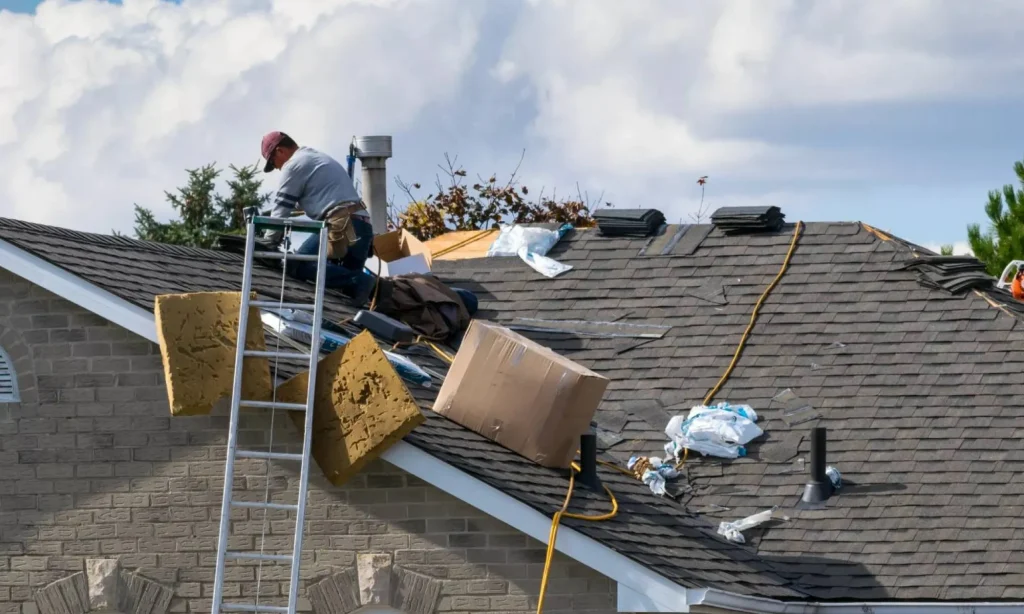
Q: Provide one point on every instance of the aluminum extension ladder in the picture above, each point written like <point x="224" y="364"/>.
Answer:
<point x="299" y="507"/>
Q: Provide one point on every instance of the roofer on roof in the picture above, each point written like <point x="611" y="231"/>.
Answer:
<point x="316" y="184"/>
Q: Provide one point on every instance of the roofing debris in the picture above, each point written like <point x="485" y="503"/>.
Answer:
<point x="954" y="274"/>
<point x="531" y="244"/>
<point x="676" y="240"/>
<point x="620" y="222"/>
<point x="742" y="220"/>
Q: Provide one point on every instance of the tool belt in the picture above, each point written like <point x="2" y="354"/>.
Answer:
<point x="340" y="233"/>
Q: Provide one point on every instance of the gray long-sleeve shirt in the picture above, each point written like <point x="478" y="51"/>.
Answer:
<point x="312" y="181"/>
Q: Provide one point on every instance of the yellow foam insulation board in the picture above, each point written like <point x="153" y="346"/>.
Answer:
<point x="198" y="334"/>
<point x="462" y="244"/>
<point x="361" y="407"/>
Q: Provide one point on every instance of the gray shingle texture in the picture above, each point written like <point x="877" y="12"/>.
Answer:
<point x="919" y="390"/>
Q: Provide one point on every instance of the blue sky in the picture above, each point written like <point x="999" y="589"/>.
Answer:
<point x="898" y="114"/>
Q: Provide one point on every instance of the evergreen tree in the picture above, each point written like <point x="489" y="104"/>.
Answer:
<point x="1004" y="241"/>
<point x="202" y="213"/>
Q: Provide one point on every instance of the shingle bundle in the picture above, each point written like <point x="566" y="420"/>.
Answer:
<point x="617" y="222"/>
<point x="741" y="220"/>
<point x="954" y="274"/>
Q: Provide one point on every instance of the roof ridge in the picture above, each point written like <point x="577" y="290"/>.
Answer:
<point x="116" y="241"/>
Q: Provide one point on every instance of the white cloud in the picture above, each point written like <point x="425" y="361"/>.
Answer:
<point x="104" y="105"/>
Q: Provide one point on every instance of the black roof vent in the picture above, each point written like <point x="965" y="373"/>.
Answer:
<point x="819" y="488"/>
<point x="588" y="461"/>
<point x="620" y="222"/>
<point x="954" y="274"/>
<point x="743" y="220"/>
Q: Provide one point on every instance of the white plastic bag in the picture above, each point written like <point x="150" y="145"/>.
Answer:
<point x="733" y="531"/>
<point x="719" y="430"/>
<point x="512" y="238"/>
<point x="542" y="264"/>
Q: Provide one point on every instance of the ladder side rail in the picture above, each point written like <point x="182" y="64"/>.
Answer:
<point x="236" y="392"/>
<point x="314" y="357"/>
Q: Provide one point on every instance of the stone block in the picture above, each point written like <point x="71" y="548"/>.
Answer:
<point x="104" y="577"/>
<point x="374" y="578"/>
<point x="361" y="407"/>
<point x="198" y="334"/>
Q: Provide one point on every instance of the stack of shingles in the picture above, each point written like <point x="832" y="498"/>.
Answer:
<point x="954" y="274"/>
<point x="619" y="222"/>
<point x="741" y="220"/>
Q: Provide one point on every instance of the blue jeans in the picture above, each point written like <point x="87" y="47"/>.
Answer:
<point x="348" y="275"/>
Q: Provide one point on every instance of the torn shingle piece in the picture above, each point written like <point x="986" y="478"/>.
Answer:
<point x="611" y="420"/>
<point x="780" y="449"/>
<point x="692" y="240"/>
<point x="607" y="439"/>
<point x="794" y="409"/>
<point x="650" y="412"/>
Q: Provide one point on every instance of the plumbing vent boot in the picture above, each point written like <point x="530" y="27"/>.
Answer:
<point x="819" y="488"/>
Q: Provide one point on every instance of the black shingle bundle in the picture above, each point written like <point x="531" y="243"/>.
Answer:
<point x="954" y="274"/>
<point x="742" y="220"/>
<point x="619" y="222"/>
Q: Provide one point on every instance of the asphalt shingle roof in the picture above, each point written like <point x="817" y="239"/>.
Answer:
<point x="656" y="532"/>
<point x="921" y="392"/>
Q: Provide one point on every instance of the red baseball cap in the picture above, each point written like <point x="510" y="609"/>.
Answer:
<point x="270" y="142"/>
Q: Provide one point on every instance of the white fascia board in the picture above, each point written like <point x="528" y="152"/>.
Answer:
<point x="629" y="600"/>
<point x="759" y="605"/>
<point x="403" y="455"/>
<point x="73" y="288"/>
<point x="602" y="559"/>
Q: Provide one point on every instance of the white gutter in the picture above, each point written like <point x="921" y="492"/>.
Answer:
<point x="757" y="605"/>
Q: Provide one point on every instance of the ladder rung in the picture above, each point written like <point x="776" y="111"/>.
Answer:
<point x="258" y="556"/>
<point x="264" y="220"/>
<point x="272" y="405"/>
<point x="265" y="354"/>
<point x="262" y="505"/>
<point x="277" y="305"/>
<point x="281" y="255"/>
<point x="268" y="455"/>
<point x="252" y="607"/>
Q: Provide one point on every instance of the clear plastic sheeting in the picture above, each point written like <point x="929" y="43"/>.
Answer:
<point x="531" y="244"/>
<point x="733" y="531"/>
<point x="297" y="325"/>
<point x="718" y="430"/>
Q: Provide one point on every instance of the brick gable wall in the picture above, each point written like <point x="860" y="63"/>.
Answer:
<point x="93" y="466"/>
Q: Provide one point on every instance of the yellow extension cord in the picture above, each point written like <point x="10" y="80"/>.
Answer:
<point x="562" y="513"/>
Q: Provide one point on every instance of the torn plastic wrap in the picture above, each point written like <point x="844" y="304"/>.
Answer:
<point x="289" y="324"/>
<point x="733" y="531"/>
<point x="531" y="244"/>
<point x="717" y="430"/>
<point x="655" y="473"/>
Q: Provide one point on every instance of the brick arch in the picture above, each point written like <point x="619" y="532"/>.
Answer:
<point x="375" y="582"/>
<point x="104" y="588"/>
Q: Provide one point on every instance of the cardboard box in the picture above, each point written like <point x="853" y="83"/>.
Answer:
<point x="360" y="409"/>
<point x="399" y="253"/>
<point x="520" y="394"/>
<point x="198" y="334"/>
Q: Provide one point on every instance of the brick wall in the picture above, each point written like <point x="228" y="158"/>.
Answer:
<point x="93" y="466"/>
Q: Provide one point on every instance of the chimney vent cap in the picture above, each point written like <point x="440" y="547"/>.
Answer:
<point x="373" y="146"/>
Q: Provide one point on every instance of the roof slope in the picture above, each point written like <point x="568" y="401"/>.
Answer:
<point x="653" y="531"/>
<point x="922" y="393"/>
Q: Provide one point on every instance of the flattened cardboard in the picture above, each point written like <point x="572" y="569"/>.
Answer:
<point x="198" y="334"/>
<point x="398" y="253"/>
<point x="360" y="409"/>
<point x="520" y="394"/>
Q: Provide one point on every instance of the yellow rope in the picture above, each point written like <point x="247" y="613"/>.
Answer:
<point x="464" y="242"/>
<point x="561" y="513"/>
<point x="753" y="316"/>
<point x="750" y="326"/>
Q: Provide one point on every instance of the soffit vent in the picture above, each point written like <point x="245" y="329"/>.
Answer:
<point x="8" y="380"/>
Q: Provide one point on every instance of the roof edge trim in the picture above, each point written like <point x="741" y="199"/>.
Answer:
<point x="77" y="290"/>
<point x="403" y="455"/>
<point x="760" y="605"/>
